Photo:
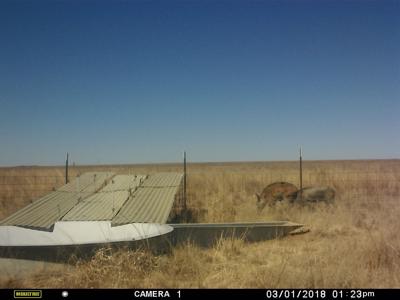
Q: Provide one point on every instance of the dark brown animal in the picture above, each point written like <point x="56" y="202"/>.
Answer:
<point x="285" y="191"/>
<point x="276" y="192"/>
<point x="316" y="194"/>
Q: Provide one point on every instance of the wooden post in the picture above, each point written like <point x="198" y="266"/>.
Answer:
<point x="66" y="170"/>
<point x="184" y="180"/>
<point x="301" y="176"/>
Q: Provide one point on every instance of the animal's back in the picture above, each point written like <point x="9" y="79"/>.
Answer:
<point x="276" y="192"/>
<point x="279" y="190"/>
<point x="316" y="194"/>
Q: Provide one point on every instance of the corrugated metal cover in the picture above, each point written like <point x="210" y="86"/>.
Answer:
<point x="43" y="213"/>
<point x="97" y="196"/>
<point x="97" y="207"/>
<point x="123" y="183"/>
<point x="88" y="182"/>
<point x="105" y="204"/>
<point x="163" y="180"/>
<point x="152" y="202"/>
<point x="147" y="206"/>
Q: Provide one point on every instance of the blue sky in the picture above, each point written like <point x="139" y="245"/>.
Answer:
<point x="140" y="81"/>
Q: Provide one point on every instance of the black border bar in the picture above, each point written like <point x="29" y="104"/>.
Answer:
<point x="67" y="293"/>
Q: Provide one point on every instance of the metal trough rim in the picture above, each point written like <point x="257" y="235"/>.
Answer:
<point x="237" y="225"/>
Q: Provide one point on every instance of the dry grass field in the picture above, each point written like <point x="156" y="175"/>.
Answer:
<point x="355" y="243"/>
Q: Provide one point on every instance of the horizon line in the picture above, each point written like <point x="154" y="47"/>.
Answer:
<point x="194" y="162"/>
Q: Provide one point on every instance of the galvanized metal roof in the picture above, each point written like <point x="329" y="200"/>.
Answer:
<point x="97" y="196"/>
<point x="147" y="206"/>
<point x="88" y="182"/>
<point x="105" y="204"/>
<point x="152" y="202"/>
<point x="163" y="180"/>
<point x="43" y="213"/>
<point x="97" y="207"/>
<point x="123" y="183"/>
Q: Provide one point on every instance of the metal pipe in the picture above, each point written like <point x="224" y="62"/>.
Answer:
<point x="66" y="170"/>
<point x="301" y="176"/>
<point x="184" y="180"/>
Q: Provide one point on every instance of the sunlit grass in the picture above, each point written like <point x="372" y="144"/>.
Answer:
<point x="354" y="243"/>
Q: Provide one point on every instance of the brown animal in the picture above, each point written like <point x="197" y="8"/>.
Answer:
<point x="276" y="192"/>
<point x="316" y="194"/>
<point x="284" y="191"/>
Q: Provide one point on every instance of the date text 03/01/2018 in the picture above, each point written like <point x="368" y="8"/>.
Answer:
<point x="319" y="294"/>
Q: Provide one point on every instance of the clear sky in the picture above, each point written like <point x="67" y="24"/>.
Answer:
<point x="140" y="81"/>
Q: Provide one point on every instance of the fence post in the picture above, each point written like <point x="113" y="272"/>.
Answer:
<point x="301" y="176"/>
<point x="66" y="170"/>
<point x="184" y="180"/>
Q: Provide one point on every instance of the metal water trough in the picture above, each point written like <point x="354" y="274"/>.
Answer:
<point x="207" y="234"/>
<point x="203" y="235"/>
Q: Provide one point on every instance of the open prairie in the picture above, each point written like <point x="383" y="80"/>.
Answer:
<point x="354" y="243"/>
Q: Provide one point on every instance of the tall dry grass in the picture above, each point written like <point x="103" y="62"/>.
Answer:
<point x="354" y="243"/>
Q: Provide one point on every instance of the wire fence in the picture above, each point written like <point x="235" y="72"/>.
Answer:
<point x="31" y="179"/>
<point x="28" y="188"/>
<point x="25" y="186"/>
